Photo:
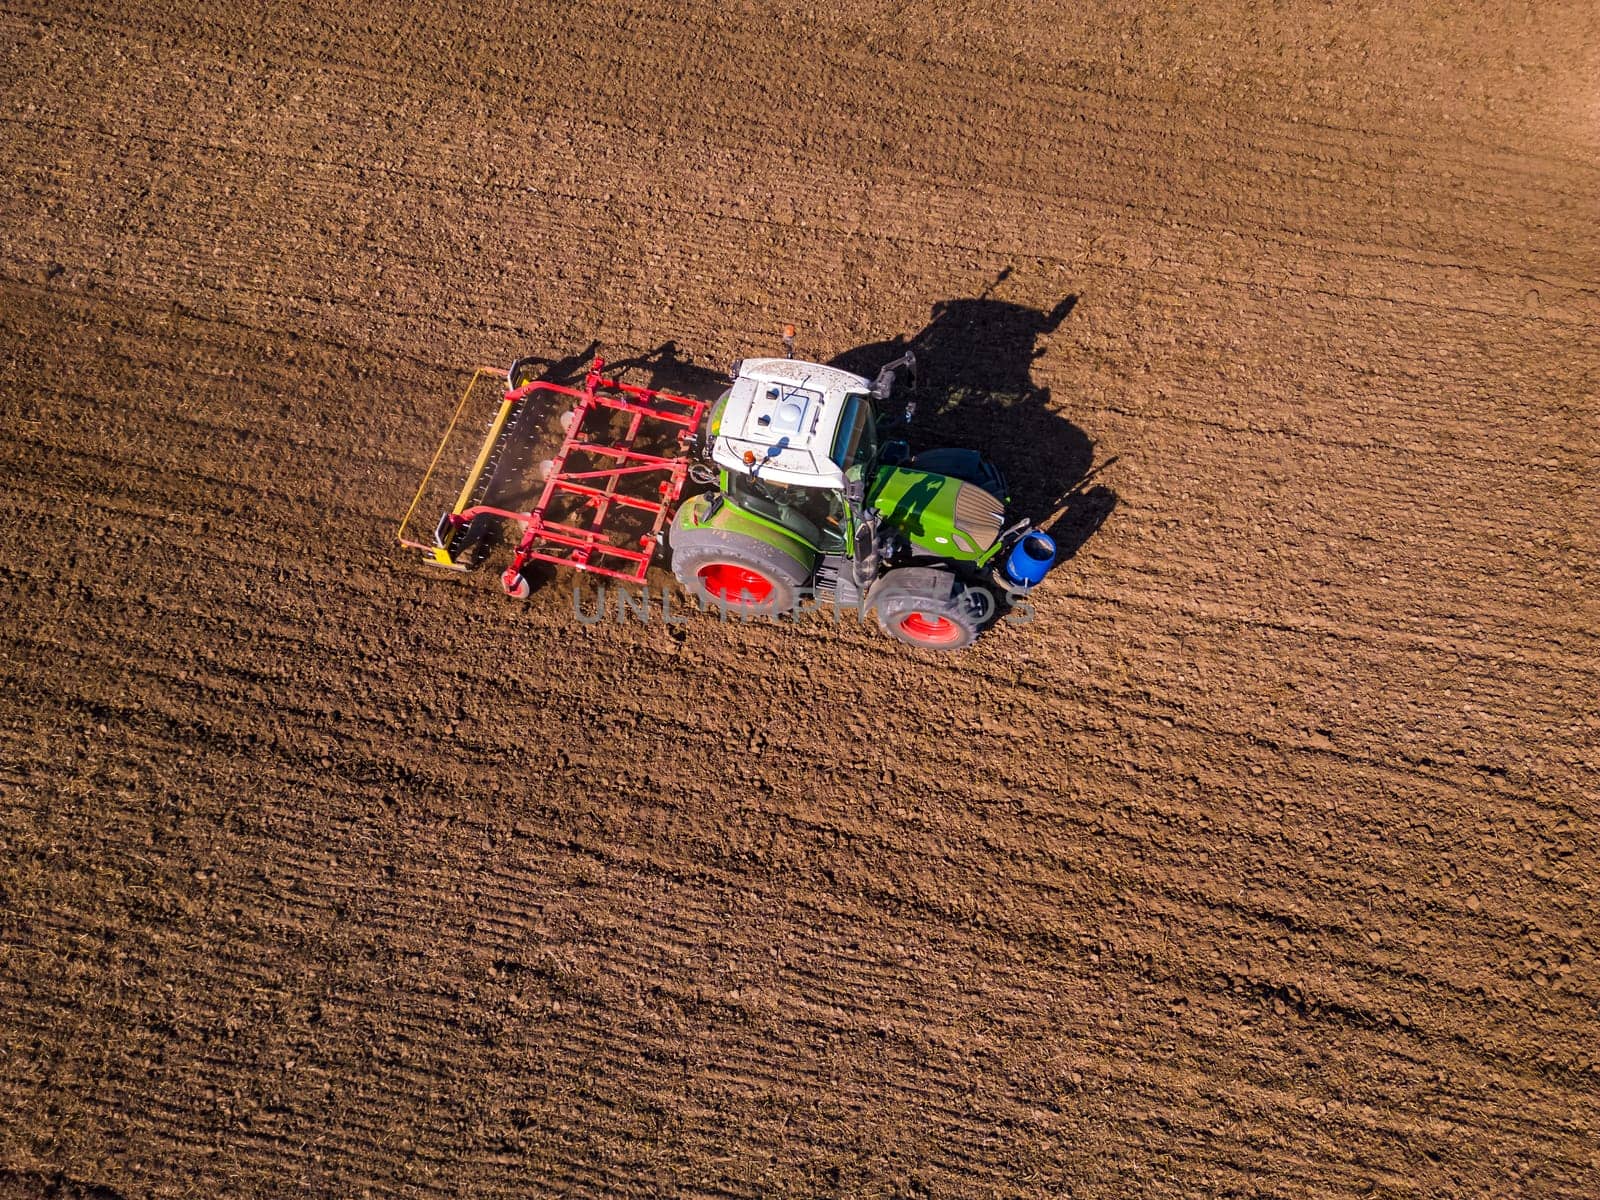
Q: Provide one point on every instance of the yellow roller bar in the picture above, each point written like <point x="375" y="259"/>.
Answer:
<point x="441" y="554"/>
<point x="483" y="455"/>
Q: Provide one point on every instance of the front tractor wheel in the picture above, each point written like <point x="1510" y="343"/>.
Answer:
<point x="930" y="609"/>
<point x="735" y="572"/>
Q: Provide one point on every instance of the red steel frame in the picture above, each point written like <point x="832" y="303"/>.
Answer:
<point x="592" y="547"/>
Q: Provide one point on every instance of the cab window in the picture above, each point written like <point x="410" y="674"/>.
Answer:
<point x="858" y="436"/>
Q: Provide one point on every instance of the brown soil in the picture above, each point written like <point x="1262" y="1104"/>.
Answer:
<point x="1261" y="863"/>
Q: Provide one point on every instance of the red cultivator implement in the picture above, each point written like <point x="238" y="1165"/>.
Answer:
<point x="600" y="502"/>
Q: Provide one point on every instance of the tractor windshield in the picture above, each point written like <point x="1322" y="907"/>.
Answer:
<point x="857" y="441"/>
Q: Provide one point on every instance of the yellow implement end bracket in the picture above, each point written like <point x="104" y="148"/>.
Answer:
<point x="438" y="551"/>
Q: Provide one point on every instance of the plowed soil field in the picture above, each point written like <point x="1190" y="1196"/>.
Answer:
<point x="1261" y="862"/>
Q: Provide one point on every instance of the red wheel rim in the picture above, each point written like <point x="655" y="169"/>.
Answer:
<point x="930" y="631"/>
<point x="736" y="585"/>
<point x="516" y="584"/>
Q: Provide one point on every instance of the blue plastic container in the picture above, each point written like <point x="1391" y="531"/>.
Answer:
<point x="1030" y="558"/>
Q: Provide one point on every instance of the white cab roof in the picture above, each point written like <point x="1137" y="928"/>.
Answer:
<point x="787" y="414"/>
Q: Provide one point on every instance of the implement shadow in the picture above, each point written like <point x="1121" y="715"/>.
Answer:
<point x="669" y="369"/>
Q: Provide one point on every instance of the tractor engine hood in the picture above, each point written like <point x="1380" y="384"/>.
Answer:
<point x="940" y="515"/>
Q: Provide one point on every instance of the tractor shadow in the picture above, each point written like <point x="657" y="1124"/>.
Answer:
<point x="975" y="389"/>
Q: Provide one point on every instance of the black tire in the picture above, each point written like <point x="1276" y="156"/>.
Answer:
<point x="708" y="563"/>
<point x="930" y="609"/>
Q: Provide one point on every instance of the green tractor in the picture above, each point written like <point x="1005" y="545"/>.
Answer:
<point x="810" y="502"/>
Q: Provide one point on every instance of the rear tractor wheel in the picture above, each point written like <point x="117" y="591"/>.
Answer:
<point x="738" y="573"/>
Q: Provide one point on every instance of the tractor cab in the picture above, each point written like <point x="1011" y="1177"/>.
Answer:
<point x="791" y="438"/>
<point x="795" y="424"/>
